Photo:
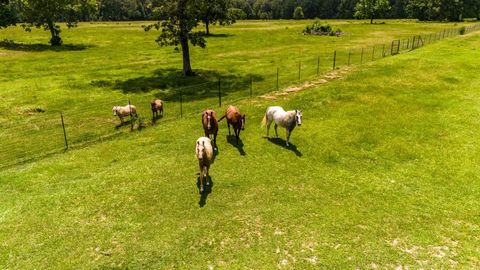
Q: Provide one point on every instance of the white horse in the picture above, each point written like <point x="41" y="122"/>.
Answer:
<point x="288" y="120"/>
<point x="204" y="154"/>
<point x="124" y="111"/>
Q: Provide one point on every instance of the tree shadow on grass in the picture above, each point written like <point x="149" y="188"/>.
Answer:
<point x="169" y="84"/>
<point x="218" y="35"/>
<point x="231" y="139"/>
<point x="11" y="45"/>
<point x="282" y="143"/>
<point x="207" y="189"/>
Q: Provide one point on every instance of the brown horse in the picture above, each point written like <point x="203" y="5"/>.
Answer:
<point x="210" y="125"/>
<point x="236" y="119"/>
<point x="157" y="106"/>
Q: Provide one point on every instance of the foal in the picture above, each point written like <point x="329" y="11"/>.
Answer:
<point x="210" y="125"/>
<point x="236" y="119"/>
<point x="288" y="120"/>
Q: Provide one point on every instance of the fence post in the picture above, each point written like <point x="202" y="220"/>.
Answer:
<point x="64" y="132"/>
<point x="277" y="78"/>
<point x="219" y="93"/>
<point x="361" y="57"/>
<point x="373" y="53"/>
<point x="334" y="59"/>
<point x="391" y="48"/>
<point x="251" y="85"/>
<point x="299" y="70"/>
<point x="318" y="65"/>
<point x="413" y="43"/>
<point x="181" y="105"/>
<point x="349" y="56"/>
<point x="131" y="117"/>
<point x="443" y="33"/>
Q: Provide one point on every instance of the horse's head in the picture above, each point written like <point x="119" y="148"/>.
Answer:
<point x="242" y="118"/>
<point x="200" y="149"/>
<point x="153" y="104"/>
<point x="298" y="117"/>
<point x="114" y="110"/>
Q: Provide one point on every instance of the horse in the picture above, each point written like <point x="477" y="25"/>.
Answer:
<point x="210" y="125"/>
<point x="124" y="111"/>
<point x="157" y="106"/>
<point x="236" y="119"/>
<point x="288" y="120"/>
<point x="204" y="154"/>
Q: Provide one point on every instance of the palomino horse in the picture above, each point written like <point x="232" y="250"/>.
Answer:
<point x="204" y="154"/>
<point x="236" y="119"/>
<point x="288" y="120"/>
<point x="157" y="107"/>
<point x="210" y="125"/>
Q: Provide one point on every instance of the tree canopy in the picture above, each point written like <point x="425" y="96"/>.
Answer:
<point x="371" y="9"/>
<point x="7" y="14"/>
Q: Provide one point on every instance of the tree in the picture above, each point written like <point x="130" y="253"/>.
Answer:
<point x="298" y="13"/>
<point x="179" y="18"/>
<point x="214" y="11"/>
<point x="46" y="14"/>
<point x="371" y="9"/>
<point x="424" y="10"/>
<point x="7" y="14"/>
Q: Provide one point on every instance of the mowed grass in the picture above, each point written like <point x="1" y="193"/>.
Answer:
<point x="383" y="173"/>
<point x="108" y="64"/>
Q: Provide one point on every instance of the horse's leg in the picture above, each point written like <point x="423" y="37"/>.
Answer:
<point x="237" y="134"/>
<point x="215" y="139"/>
<point x="269" y="122"/>
<point x="207" y="182"/>
<point x="201" y="178"/>
<point x="288" y="136"/>
<point x="276" y="133"/>
<point x="228" y="124"/>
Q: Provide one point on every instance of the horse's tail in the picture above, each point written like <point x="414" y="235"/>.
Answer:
<point x="222" y="118"/>
<point x="264" y="120"/>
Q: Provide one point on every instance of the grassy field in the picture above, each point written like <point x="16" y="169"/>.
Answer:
<point x="107" y="64"/>
<point x="383" y="172"/>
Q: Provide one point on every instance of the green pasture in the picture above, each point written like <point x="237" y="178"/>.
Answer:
<point x="108" y="64"/>
<point x="383" y="173"/>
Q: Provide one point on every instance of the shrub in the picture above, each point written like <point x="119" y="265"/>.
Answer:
<point x="462" y="30"/>
<point x="317" y="28"/>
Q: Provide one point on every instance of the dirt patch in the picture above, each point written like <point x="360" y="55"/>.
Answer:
<point x="332" y="75"/>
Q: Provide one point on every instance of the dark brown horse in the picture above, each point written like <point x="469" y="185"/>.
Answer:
<point x="210" y="125"/>
<point x="236" y="119"/>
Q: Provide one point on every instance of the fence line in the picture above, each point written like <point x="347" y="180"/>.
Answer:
<point x="72" y="129"/>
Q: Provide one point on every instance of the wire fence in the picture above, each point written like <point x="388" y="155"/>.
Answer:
<point x="44" y="134"/>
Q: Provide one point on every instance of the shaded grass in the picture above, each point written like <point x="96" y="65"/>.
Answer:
<point x="388" y="177"/>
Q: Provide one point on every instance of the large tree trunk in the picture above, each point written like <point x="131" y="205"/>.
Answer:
<point x="187" y="68"/>
<point x="55" y="40"/>
<point x="371" y="20"/>
<point x="207" y="24"/>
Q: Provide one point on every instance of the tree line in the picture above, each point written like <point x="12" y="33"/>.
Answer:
<point x="177" y="20"/>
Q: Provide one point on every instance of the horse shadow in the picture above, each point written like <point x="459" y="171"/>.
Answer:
<point x="231" y="139"/>
<point x="125" y="123"/>
<point x="207" y="189"/>
<point x="283" y="143"/>
<point x="156" y="118"/>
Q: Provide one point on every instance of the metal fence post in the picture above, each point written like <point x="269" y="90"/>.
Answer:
<point x="219" y="93"/>
<point x="251" y="85"/>
<point x="373" y="53"/>
<point x="277" y="78"/>
<point x="349" y="56"/>
<point x="299" y="70"/>
<point x="334" y="59"/>
<point x="131" y="116"/>
<point x="64" y="132"/>
<point x="318" y="65"/>
<point x="361" y="57"/>
<point x="181" y="105"/>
